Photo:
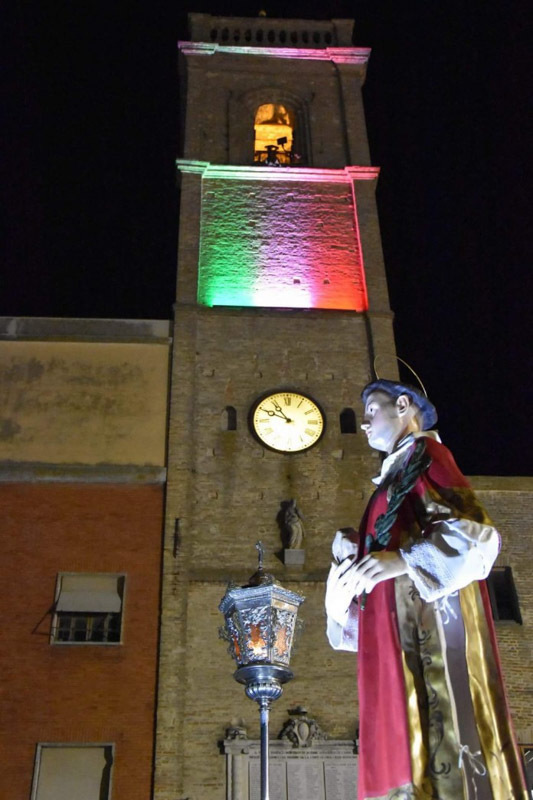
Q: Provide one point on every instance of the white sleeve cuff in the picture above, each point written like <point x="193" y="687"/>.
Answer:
<point x="456" y="552"/>
<point x="344" y="637"/>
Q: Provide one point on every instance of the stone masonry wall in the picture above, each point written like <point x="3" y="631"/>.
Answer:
<point x="224" y="493"/>
<point x="280" y="243"/>
<point x="332" y="124"/>
<point x="509" y="502"/>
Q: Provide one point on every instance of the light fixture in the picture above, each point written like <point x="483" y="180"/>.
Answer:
<point x="260" y="622"/>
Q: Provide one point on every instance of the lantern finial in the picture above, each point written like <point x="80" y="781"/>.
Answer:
<point x="260" y="554"/>
<point x="260" y="577"/>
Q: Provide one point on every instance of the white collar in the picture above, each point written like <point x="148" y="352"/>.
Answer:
<point x="397" y="455"/>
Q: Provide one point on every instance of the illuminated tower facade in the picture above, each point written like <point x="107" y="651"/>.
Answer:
<point x="281" y="290"/>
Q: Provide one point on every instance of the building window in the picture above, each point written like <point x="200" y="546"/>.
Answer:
<point x="347" y="421"/>
<point x="80" y="771"/>
<point x="503" y="596"/>
<point x="88" y="609"/>
<point x="274" y="134"/>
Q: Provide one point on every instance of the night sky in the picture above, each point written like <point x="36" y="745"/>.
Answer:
<point x="91" y="202"/>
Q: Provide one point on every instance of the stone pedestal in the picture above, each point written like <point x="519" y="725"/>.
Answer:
<point x="293" y="558"/>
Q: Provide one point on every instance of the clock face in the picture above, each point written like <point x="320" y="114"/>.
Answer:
<point x="287" y="421"/>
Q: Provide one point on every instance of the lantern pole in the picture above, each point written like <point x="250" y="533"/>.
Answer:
<point x="264" y="711"/>
<point x="263" y="684"/>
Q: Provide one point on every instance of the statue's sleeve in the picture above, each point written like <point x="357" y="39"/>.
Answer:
<point x="342" y="624"/>
<point x="344" y="635"/>
<point x="458" y="544"/>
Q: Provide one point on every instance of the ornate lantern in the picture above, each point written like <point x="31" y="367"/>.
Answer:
<point x="260" y="621"/>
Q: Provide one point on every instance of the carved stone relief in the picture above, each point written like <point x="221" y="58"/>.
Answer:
<point x="304" y="763"/>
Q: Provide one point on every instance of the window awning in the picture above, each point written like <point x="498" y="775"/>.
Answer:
<point x="89" y="593"/>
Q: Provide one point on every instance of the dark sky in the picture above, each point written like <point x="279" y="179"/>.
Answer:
<point x="91" y="203"/>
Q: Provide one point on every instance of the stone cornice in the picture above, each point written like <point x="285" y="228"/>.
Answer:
<point x="85" y="330"/>
<point x="260" y="173"/>
<point x="339" y="55"/>
<point x="502" y="483"/>
<point x="40" y="472"/>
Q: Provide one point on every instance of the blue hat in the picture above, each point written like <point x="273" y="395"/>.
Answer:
<point x="394" y="389"/>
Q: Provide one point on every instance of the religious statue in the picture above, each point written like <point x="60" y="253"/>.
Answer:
<point x="291" y="524"/>
<point x="407" y="592"/>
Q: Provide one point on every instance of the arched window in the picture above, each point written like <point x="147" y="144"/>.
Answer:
<point x="229" y="419"/>
<point x="274" y="135"/>
<point x="347" y="421"/>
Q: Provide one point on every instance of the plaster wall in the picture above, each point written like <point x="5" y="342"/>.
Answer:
<point x="83" y="402"/>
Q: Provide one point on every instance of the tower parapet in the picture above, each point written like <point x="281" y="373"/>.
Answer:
<point x="262" y="31"/>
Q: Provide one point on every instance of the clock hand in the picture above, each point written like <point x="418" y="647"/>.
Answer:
<point x="280" y="411"/>
<point x="273" y="414"/>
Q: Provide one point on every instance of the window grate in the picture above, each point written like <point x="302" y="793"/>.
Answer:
<point x="82" y="627"/>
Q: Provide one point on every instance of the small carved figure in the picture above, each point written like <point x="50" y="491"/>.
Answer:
<point x="237" y="730"/>
<point x="292" y="528"/>
<point x="301" y="729"/>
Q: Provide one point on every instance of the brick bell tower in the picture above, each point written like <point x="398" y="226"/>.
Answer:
<point x="281" y="291"/>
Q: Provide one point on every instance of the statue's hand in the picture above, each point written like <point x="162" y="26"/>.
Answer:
<point x="339" y="591"/>
<point x="345" y="543"/>
<point x="373" y="569"/>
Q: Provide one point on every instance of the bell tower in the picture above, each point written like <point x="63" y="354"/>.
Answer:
<point x="281" y="292"/>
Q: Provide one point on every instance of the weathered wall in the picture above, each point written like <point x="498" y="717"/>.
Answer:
<point x="83" y="402"/>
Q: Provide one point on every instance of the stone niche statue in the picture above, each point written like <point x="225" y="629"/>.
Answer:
<point x="290" y="522"/>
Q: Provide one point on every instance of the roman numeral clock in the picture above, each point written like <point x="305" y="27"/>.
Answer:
<point x="281" y="303"/>
<point x="287" y="422"/>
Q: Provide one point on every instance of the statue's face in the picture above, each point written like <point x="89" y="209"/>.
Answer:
<point x="383" y="422"/>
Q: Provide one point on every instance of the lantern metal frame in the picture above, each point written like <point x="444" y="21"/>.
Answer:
<point x="260" y="626"/>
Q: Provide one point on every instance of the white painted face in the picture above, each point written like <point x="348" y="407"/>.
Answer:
<point x="384" y="421"/>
